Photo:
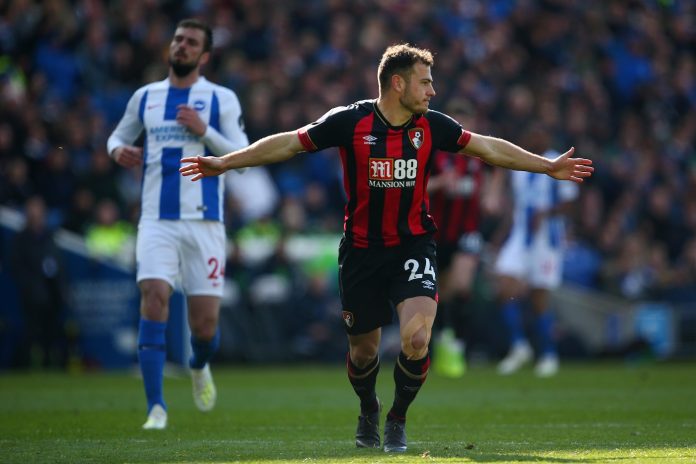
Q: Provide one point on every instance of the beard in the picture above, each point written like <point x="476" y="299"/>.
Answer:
<point x="412" y="105"/>
<point x="182" y="69"/>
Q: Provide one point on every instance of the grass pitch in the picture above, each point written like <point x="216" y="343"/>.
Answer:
<point x="587" y="414"/>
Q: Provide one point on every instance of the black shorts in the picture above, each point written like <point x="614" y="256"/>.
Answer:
<point x="470" y="243"/>
<point x="373" y="281"/>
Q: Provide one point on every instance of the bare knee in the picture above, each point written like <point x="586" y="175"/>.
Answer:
<point x="363" y="354"/>
<point x="416" y="347"/>
<point x="540" y="300"/>
<point x="154" y="301"/>
<point x="204" y="312"/>
<point x="205" y="329"/>
<point x="509" y="287"/>
<point x="416" y="317"/>
<point x="419" y="340"/>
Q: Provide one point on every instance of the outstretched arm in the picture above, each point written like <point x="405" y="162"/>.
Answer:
<point x="499" y="152"/>
<point x="271" y="149"/>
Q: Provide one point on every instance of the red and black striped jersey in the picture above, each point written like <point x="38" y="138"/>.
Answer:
<point x="457" y="211"/>
<point x="385" y="168"/>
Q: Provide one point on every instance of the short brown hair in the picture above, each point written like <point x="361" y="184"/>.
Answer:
<point x="399" y="59"/>
<point x="192" y="23"/>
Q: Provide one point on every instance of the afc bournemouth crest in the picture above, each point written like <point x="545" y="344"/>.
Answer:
<point x="415" y="135"/>
<point x="348" y="318"/>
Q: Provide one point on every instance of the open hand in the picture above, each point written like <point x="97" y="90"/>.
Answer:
<point x="566" y="168"/>
<point x="201" y="166"/>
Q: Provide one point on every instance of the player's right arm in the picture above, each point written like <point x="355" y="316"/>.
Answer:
<point x="119" y="144"/>
<point x="268" y="150"/>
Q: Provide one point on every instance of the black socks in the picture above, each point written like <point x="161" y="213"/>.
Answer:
<point x="363" y="382"/>
<point x="409" y="376"/>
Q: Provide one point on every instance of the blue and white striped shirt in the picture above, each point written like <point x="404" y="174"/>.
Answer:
<point x="152" y="108"/>
<point x="534" y="192"/>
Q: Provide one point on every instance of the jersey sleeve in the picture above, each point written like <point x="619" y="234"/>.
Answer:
<point x="231" y="135"/>
<point x="131" y="124"/>
<point x="331" y="130"/>
<point x="448" y="134"/>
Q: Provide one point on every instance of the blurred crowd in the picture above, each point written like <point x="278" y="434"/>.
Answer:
<point x="616" y="80"/>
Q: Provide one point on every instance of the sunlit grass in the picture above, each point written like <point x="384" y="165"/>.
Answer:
<point x="587" y="414"/>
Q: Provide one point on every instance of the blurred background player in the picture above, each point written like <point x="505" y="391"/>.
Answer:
<point x="530" y="261"/>
<point x="180" y="233"/>
<point x="459" y="189"/>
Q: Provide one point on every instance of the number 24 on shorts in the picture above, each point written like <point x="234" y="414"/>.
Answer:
<point x="413" y="266"/>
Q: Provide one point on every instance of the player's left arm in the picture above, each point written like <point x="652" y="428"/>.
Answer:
<point x="231" y="135"/>
<point x="500" y="152"/>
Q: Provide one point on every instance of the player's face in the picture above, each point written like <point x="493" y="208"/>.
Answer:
<point x="186" y="50"/>
<point x="419" y="89"/>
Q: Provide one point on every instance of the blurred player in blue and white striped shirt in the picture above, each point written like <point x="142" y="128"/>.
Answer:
<point x="181" y="231"/>
<point x="530" y="262"/>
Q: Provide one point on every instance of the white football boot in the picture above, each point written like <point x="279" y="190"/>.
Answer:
<point x="547" y="365"/>
<point x="204" y="392"/>
<point x="156" y="419"/>
<point x="519" y="355"/>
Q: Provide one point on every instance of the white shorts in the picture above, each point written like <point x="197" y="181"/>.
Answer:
<point x="191" y="250"/>
<point x="538" y="264"/>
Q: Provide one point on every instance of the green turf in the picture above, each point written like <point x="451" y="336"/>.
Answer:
<point x="587" y="414"/>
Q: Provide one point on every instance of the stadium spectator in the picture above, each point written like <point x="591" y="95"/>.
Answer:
<point x="80" y="211"/>
<point x="17" y="187"/>
<point x="314" y="319"/>
<point x="100" y="178"/>
<point x="181" y="231"/>
<point x="108" y="236"/>
<point x="387" y="255"/>
<point x="37" y="269"/>
<point x="56" y="183"/>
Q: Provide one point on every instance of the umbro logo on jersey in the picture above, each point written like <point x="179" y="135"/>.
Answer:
<point x="428" y="285"/>
<point x="199" y="105"/>
<point x="369" y="139"/>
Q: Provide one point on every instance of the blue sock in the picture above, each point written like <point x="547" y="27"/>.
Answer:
<point x="152" y="353"/>
<point x="544" y="328"/>
<point x="203" y="350"/>
<point x="512" y="318"/>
